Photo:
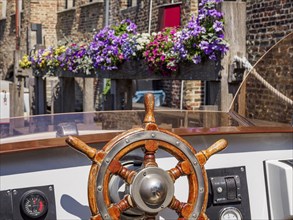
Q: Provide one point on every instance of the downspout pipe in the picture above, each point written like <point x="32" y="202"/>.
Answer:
<point x="181" y="94"/>
<point x="150" y="16"/>
<point x="106" y="6"/>
<point x="106" y="16"/>
<point x="17" y="24"/>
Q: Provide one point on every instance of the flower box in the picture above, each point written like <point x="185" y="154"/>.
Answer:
<point x="63" y="73"/>
<point x="206" y="71"/>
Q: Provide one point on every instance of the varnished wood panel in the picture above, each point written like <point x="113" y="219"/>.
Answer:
<point x="105" y="137"/>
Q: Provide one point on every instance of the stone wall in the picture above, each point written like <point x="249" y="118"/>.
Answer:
<point x="267" y="22"/>
<point x="44" y="12"/>
<point x="7" y="41"/>
<point x="193" y="94"/>
<point x="80" y="22"/>
<point x="34" y="11"/>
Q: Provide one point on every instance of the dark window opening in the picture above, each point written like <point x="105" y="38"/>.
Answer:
<point x="131" y="3"/>
<point x="69" y="3"/>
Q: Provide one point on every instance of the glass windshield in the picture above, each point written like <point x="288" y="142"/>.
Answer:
<point x="264" y="98"/>
<point x="266" y="93"/>
<point x="51" y="126"/>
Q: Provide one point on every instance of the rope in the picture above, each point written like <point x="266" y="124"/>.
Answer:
<point x="250" y="68"/>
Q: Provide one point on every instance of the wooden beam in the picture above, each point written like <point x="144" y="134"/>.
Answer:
<point x="235" y="34"/>
<point x="40" y="96"/>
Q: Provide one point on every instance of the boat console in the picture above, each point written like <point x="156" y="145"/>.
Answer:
<point x="147" y="171"/>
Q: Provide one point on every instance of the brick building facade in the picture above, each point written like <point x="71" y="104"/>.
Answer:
<point x="31" y="12"/>
<point x="268" y="21"/>
<point x="78" y="23"/>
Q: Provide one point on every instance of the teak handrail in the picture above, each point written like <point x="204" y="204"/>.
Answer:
<point x="105" y="137"/>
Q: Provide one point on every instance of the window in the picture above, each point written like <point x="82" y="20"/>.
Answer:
<point x="131" y="3"/>
<point x="3" y="5"/>
<point x="69" y="3"/>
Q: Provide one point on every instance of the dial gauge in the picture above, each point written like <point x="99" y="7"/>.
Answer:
<point x="34" y="204"/>
<point x="230" y="213"/>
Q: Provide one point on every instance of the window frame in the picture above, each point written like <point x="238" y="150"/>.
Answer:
<point x="131" y="3"/>
<point x="3" y="9"/>
<point x="68" y="6"/>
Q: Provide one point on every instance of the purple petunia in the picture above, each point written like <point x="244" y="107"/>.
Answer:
<point x="196" y="59"/>
<point x="110" y="46"/>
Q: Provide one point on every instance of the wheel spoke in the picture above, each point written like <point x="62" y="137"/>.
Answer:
<point x="204" y="155"/>
<point x="183" y="209"/>
<point x="116" y="209"/>
<point x="116" y="167"/>
<point x="181" y="169"/>
<point x="176" y="205"/>
<point x="124" y="204"/>
<point x="93" y="154"/>
<point x="151" y="146"/>
<point x="81" y="146"/>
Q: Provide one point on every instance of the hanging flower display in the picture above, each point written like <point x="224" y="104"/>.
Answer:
<point x="201" y="39"/>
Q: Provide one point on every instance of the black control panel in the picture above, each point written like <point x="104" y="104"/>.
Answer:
<point x="36" y="203"/>
<point x="228" y="194"/>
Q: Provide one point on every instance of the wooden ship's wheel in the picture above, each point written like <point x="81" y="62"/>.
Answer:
<point x="151" y="189"/>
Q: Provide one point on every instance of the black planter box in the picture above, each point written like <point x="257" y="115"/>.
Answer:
<point x="207" y="71"/>
<point x="63" y="73"/>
